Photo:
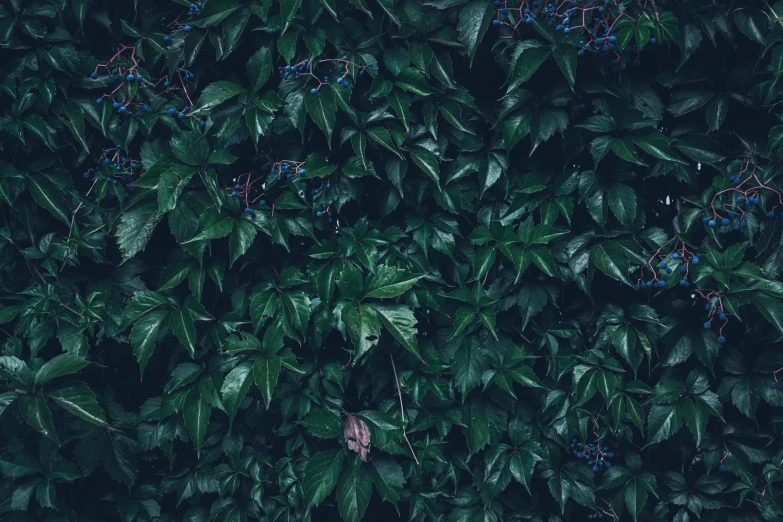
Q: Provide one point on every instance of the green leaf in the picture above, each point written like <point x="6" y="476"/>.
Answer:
<point x="196" y="412"/>
<point x="34" y="410"/>
<point x="610" y="259"/>
<point x="522" y="465"/>
<point x="401" y="323"/>
<point x="143" y="336"/>
<point x="322" y="110"/>
<point x="388" y="281"/>
<point x="258" y="69"/>
<point x="49" y="196"/>
<point x="663" y="422"/>
<point x="622" y="203"/>
<point x="77" y="398"/>
<point x="354" y="489"/>
<point x="63" y="364"/>
<point x="235" y="387"/>
<point x="474" y="20"/>
<point x="771" y="309"/>
<point x="413" y="81"/>
<point x="266" y="371"/>
<point x="216" y="93"/>
<point x="388" y="479"/>
<point x="323" y="423"/>
<point x="635" y="496"/>
<point x="135" y="229"/>
<point x="363" y="326"/>
<point x="183" y="327"/>
<point x="427" y="162"/>
<point x="220" y="229"/>
<point x="288" y="10"/>
<point x="566" y="60"/>
<point x="526" y="59"/>
<point x="320" y="476"/>
<point x="476" y="425"/>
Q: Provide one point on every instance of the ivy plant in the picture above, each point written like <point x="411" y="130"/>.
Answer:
<point x="419" y="260"/>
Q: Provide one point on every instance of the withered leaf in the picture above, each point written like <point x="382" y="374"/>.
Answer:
<point x="356" y="435"/>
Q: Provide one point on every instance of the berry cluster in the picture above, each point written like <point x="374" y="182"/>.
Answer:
<point x="679" y="258"/>
<point x="117" y="169"/>
<point x="735" y="202"/>
<point x="245" y="189"/>
<point x="250" y="189"/>
<point x="177" y="26"/>
<point x="716" y="311"/>
<point x="128" y="79"/>
<point x="597" y="455"/>
<point x="775" y="394"/>
<point x="305" y="68"/>
<point x="722" y="467"/>
<point x="600" y="21"/>
<point x="130" y="83"/>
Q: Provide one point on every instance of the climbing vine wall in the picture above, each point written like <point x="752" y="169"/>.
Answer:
<point x="421" y="260"/>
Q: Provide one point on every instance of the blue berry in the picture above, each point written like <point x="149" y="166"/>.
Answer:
<point x="724" y="221"/>
<point x="722" y="317"/>
<point x="202" y="123"/>
<point x="186" y="28"/>
<point x="668" y="270"/>
<point x="86" y="174"/>
<point x="319" y="213"/>
<point x="122" y="109"/>
<point x="743" y="224"/>
<point x="608" y="464"/>
<point x="695" y="260"/>
<point x="770" y="214"/>
<point x="708" y="307"/>
<point x="662" y="264"/>
<point x="99" y="100"/>
<point x="339" y="80"/>
<point x="303" y="172"/>
<point x="649" y="284"/>
<point x="705" y="220"/>
<point x="595" y="468"/>
<point x="131" y="78"/>
<point x="181" y="115"/>
<point x="495" y="22"/>
<point x="172" y="111"/>
<point x="139" y="78"/>
<point x="262" y="202"/>
<point x="529" y="21"/>
<point x="94" y="75"/>
<point x="313" y="91"/>
<point x="653" y="41"/>
<point x="712" y="223"/>
<point x="722" y="468"/>
<point x="773" y="385"/>
<point x="707" y="325"/>
<point x="638" y="286"/>
<point x="144" y="108"/>
<point x="345" y="83"/>
<point x="721" y="339"/>
<point x="675" y="255"/>
<point x="683" y="269"/>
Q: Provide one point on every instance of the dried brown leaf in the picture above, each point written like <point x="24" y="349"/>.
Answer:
<point x="356" y="435"/>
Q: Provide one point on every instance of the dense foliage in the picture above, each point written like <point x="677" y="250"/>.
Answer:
<point x="422" y="260"/>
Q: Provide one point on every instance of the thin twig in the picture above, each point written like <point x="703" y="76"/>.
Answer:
<point x="402" y="410"/>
